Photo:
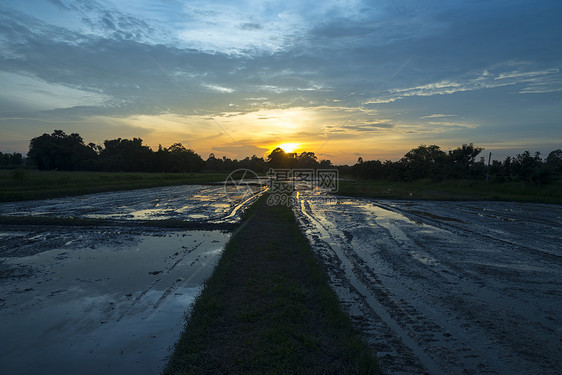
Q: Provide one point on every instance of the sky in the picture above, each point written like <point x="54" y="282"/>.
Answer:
<point x="342" y="79"/>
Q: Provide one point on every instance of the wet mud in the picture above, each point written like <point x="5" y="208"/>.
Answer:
<point x="446" y="287"/>
<point x="110" y="298"/>
<point x="189" y="203"/>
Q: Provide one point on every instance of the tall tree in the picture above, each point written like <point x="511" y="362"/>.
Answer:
<point x="281" y="159"/>
<point x="183" y="160"/>
<point x="424" y="161"/>
<point x="61" y="151"/>
<point x="307" y="160"/>
<point x="127" y="155"/>
<point x="462" y="159"/>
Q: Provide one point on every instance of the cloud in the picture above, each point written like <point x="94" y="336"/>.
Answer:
<point x="540" y="89"/>
<point x="91" y="18"/>
<point x="437" y="115"/>
<point x="239" y="30"/>
<point x="285" y="69"/>
<point x="241" y="151"/>
<point x="519" y="75"/>
<point x="451" y="124"/>
<point x="218" y="88"/>
<point x="358" y="130"/>
<point x="28" y="93"/>
<point x="543" y="81"/>
<point x="251" y="26"/>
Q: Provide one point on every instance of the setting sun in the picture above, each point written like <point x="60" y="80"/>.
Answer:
<point x="289" y="147"/>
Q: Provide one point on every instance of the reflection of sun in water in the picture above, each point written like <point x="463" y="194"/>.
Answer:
<point x="288" y="147"/>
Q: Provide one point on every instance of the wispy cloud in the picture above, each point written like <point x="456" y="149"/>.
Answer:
<point x="217" y="88"/>
<point x="437" y="115"/>
<point x="524" y="75"/>
<point x="542" y="81"/>
<point x="23" y="92"/>
<point x="285" y="69"/>
<point x="453" y="124"/>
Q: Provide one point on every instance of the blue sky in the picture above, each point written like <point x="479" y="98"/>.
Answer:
<point x="340" y="78"/>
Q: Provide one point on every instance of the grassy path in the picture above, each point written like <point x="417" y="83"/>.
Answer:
<point x="268" y="309"/>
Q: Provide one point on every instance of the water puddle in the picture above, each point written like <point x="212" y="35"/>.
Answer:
<point x="440" y="287"/>
<point x="186" y="202"/>
<point x="115" y="308"/>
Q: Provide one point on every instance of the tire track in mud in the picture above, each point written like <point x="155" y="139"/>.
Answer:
<point x="153" y="285"/>
<point x="446" y="223"/>
<point x="535" y="341"/>
<point x="350" y="277"/>
<point x="448" y="268"/>
<point x="408" y="322"/>
<point x="181" y="281"/>
<point x="190" y="203"/>
<point x="467" y="332"/>
<point x="120" y="297"/>
<point x="459" y="322"/>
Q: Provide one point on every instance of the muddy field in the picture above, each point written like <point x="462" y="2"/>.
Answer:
<point x="110" y="299"/>
<point x="438" y="287"/>
<point x="190" y="203"/>
<point x="446" y="287"/>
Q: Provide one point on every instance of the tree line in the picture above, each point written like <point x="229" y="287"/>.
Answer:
<point x="69" y="152"/>
<point x="13" y="160"/>
<point x="433" y="163"/>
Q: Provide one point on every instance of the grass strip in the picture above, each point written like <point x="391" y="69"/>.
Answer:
<point x="268" y="309"/>
<point x="53" y="184"/>
<point x="453" y="190"/>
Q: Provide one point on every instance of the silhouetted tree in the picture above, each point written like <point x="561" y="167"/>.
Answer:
<point x="254" y="163"/>
<point x="12" y="160"/>
<point x="68" y="152"/>
<point x="462" y="160"/>
<point x="527" y="168"/>
<point x="182" y="159"/>
<point x="306" y="160"/>
<point x="61" y="151"/>
<point x="325" y="163"/>
<point x="424" y="161"/>
<point x="554" y="161"/>
<point x="369" y="169"/>
<point x="280" y="159"/>
<point x="126" y="155"/>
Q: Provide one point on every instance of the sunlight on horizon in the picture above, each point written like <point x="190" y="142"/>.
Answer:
<point x="289" y="147"/>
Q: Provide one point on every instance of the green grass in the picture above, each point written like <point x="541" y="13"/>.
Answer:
<point x="453" y="190"/>
<point x="51" y="184"/>
<point x="268" y="309"/>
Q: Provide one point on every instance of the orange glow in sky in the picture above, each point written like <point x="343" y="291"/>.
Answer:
<point x="289" y="147"/>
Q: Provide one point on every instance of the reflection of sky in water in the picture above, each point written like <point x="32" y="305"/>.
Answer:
<point x="81" y="336"/>
<point x="116" y="308"/>
<point x="477" y="278"/>
<point x="185" y="202"/>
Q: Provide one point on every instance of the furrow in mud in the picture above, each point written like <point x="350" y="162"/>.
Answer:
<point x="101" y="283"/>
<point x="453" y="298"/>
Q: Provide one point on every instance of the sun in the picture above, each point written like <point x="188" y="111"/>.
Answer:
<point x="288" y="147"/>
